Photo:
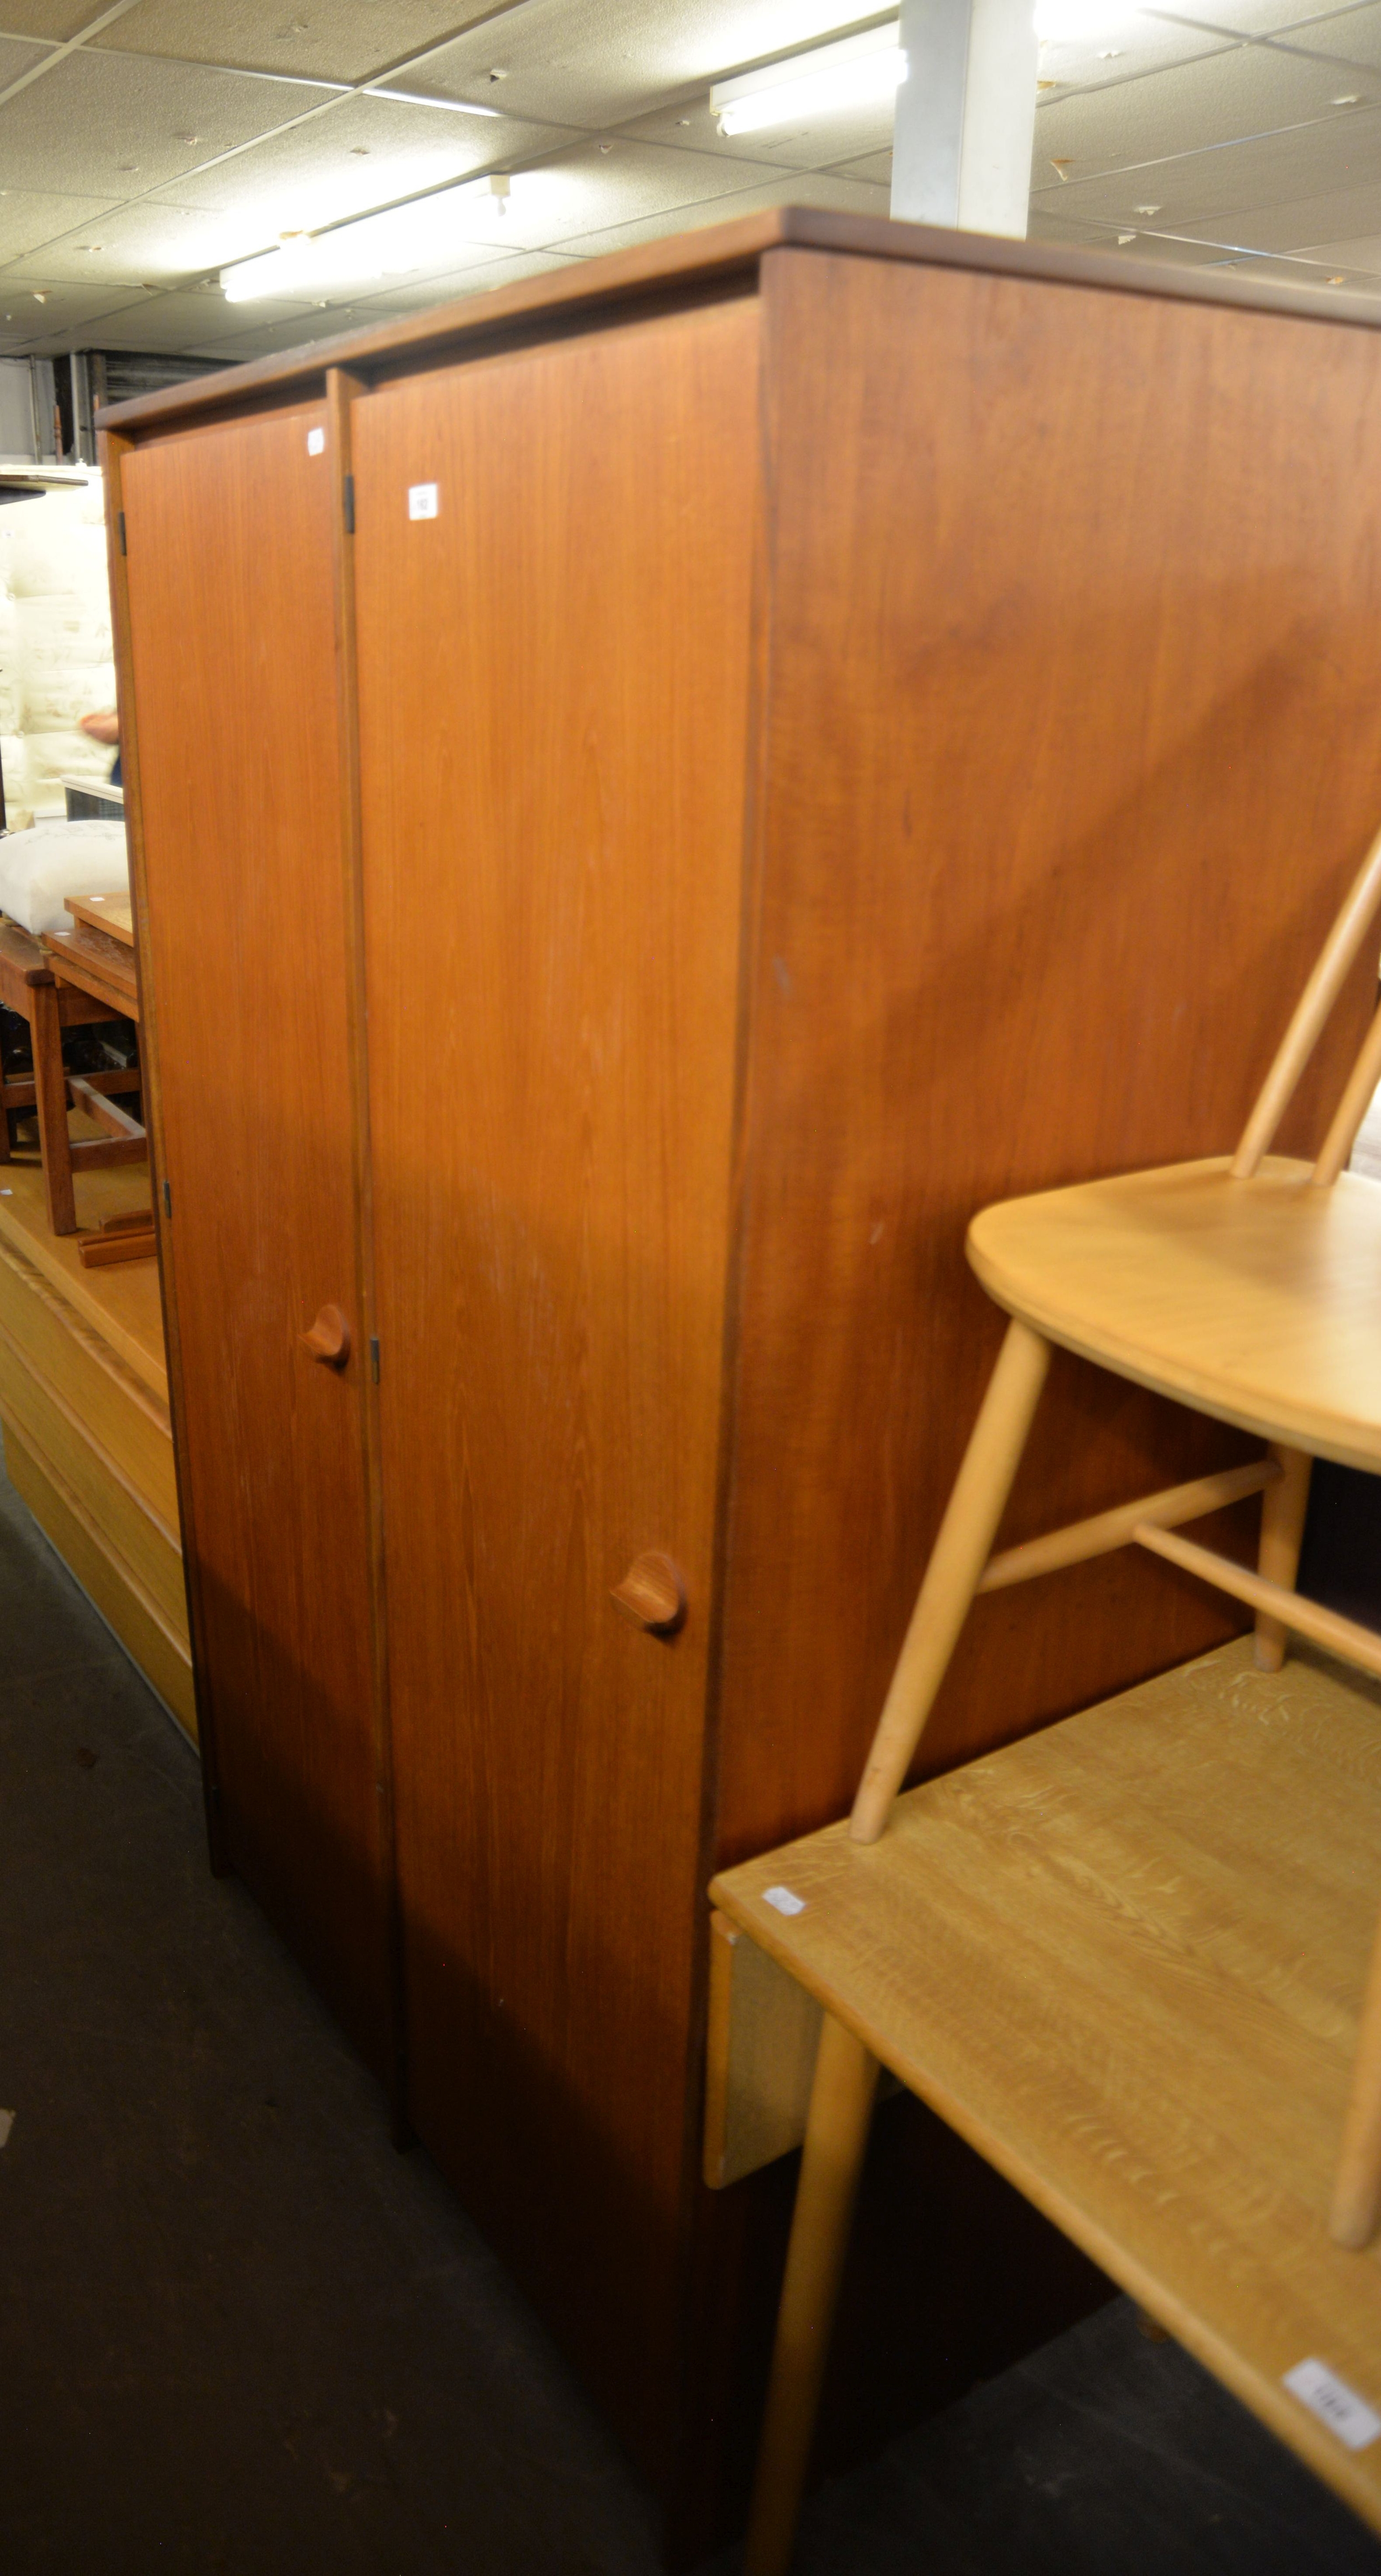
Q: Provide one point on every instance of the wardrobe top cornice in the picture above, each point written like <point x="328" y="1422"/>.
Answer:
<point x="704" y="260"/>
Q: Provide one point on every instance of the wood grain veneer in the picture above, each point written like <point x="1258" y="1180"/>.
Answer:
<point x="554" y="704"/>
<point x="233" y="617"/>
<point x="1073" y="746"/>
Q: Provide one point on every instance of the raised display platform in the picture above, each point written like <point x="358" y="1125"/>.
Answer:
<point x="84" y="1411"/>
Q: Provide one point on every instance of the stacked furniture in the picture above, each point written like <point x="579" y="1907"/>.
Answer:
<point x="649" y="771"/>
<point x="84" y="1414"/>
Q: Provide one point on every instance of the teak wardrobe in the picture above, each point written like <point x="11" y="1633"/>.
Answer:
<point x="654" y="794"/>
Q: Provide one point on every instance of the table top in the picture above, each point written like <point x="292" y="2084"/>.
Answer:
<point x="1125" y="1959"/>
<point x="110" y="912"/>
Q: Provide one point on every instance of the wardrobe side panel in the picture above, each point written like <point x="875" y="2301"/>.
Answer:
<point x="554" y="681"/>
<point x="1074" y="743"/>
<point x="233" y="672"/>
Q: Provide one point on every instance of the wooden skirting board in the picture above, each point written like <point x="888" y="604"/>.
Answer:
<point x="88" y="1442"/>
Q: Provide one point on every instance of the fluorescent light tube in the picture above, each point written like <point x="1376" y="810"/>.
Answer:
<point x="424" y="234"/>
<point x="859" y="71"/>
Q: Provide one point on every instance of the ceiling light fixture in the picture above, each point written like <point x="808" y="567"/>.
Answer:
<point x="424" y="234"/>
<point x="859" y="71"/>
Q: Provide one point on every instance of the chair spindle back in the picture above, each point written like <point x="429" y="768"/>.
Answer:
<point x="1302" y="1036"/>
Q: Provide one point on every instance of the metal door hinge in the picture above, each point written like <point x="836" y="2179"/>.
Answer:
<point x="348" y="504"/>
<point x="167" y="1198"/>
<point x="374" y="1357"/>
<point x="120" y="524"/>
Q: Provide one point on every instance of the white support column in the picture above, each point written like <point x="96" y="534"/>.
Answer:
<point x="966" y="114"/>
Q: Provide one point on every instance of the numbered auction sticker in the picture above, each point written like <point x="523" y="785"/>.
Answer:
<point x="1335" y="2404"/>
<point x="422" y="501"/>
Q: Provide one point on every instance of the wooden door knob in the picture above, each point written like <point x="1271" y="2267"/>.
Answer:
<point x="329" y="1338"/>
<point x="652" y="1594"/>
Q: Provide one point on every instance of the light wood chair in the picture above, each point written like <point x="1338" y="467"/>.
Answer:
<point x="1249" y="1288"/>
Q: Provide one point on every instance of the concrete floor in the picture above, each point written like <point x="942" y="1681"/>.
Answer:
<point x="240" y="2336"/>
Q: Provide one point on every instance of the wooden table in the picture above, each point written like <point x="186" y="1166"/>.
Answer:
<point x="31" y="985"/>
<point x="1136" y="1947"/>
<point x="96" y="958"/>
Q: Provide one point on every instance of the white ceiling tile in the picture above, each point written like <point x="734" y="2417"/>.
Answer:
<point x="144" y="246"/>
<point x="1063" y="234"/>
<point x="590" y="189"/>
<point x="269" y="339"/>
<point x="1302" y="222"/>
<point x="362" y="153"/>
<point x="1274" y="170"/>
<point x="176" y="321"/>
<point x="16" y="59"/>
<point x="477" y="278"/>
<point x="1248" y="18"/>
<point x="62" y="307"/>
<point x="99" y="121"/>
<point x="28" y="218"/>
<point x="599" y="62"/>
<point x="876" y="168"/>
<point x="688" y="126"/>
<point x="1127" y="44"/>
<point x="1353" y="38"/>
<point x="342" y="40"/>
<point x="1195" y="107"/>
<point x="56" y="19"/>
<point x="1304" y="273"/>
<point x="810" y="188"/>
<point x="1362" y="253"/>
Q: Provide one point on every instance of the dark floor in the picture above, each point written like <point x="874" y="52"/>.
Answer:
<point x="239" y="2336"/>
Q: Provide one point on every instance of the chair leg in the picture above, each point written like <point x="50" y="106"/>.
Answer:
<point x="1356" y="2206"/>
<point x="957" y="1560"/>
<point x="50" y="1088"/>
<point x="841" y="2106"/>
<point x="1283" y="1507"/>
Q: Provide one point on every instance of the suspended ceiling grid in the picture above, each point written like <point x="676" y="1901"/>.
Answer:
<point x="147" y="145"/>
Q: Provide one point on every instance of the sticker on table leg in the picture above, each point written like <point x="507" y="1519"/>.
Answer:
<point x="1334" y="2403"/>
<point x="784" y="1899"/>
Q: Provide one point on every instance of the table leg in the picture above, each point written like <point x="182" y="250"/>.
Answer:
<point x="50" y="1088"/>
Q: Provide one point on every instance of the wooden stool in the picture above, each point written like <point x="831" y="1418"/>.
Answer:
<point x="50" y="1002"/>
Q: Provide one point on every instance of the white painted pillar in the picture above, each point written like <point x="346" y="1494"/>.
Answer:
<point x="966" y="114"/>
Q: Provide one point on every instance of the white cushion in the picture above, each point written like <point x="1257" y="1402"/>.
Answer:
<point x="38" y="868"/>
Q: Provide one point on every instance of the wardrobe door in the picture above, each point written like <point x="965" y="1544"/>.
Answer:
<point x="553" y="566"/>
<point x="248" y="962"/>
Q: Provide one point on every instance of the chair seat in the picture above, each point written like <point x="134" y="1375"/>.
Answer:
<point x="1256" y="1301"/>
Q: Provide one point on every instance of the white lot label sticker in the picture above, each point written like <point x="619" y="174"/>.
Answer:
<point x="316" y="442"/>
<point x="785" y="1900"/>
<point x="422" y="501"/>
<point x="1335" y="2404"/>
